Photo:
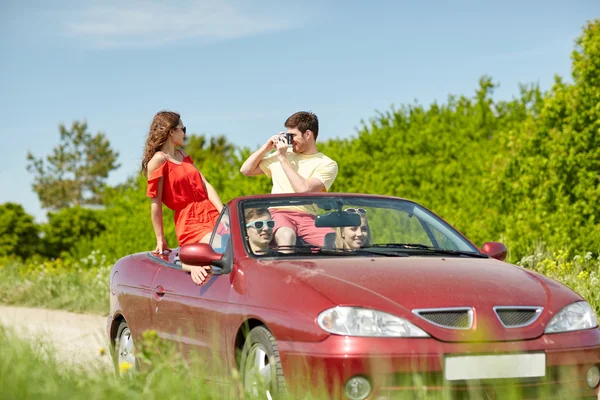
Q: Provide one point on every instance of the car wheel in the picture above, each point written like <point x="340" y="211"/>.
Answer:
<point x="261" y="366"/>
<point x="125" y="362"/>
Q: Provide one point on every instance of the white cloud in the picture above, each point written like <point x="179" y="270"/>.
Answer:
<point x="152" y="23"/>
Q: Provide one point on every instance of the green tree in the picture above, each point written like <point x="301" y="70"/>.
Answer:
<point x="19" y="234"/>
<point x="549" y="187"/>
<point x="69" y="226"/>
<point x="76" y="171"/>
<point x="220" y="162"/>
<point x="216" y="149"/>
<point x="128" y="224"/>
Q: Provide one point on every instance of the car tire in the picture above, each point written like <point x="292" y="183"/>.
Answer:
<point x="124" y="351"/>
<point x="260" y="364"/>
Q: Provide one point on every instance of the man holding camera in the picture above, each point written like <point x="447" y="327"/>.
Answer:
<point x="296" y="166"/>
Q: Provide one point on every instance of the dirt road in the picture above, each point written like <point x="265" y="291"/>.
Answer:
<point x="78" y="339"/>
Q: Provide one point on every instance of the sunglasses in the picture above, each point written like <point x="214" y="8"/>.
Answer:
<point x="356" y="211"/>
<point x="258" y="225"/>
<point x="183" y="128"/>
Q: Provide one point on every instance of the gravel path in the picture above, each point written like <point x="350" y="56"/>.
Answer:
<point x="78" y="339"/>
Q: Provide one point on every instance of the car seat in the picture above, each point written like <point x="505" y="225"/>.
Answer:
<point x="329" y="240"/>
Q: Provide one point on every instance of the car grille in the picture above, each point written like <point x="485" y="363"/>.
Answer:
<point x="516" y="317"/>
<point x="455" y="318"/>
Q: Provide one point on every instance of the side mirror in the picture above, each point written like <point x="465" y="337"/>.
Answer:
<point x="201" y="254"/>
<point x="495" y="250"/>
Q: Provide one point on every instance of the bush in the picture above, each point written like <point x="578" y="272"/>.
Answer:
<point x="69" y="226"/>
<point x="19" y="235"/>
<point x="580" y="272"/>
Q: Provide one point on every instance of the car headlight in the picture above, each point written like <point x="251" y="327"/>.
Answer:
<point x="356" y="321"/>
<point x="574" y="317"/>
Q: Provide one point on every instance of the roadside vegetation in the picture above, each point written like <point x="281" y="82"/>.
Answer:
<point x="29" y="370"/>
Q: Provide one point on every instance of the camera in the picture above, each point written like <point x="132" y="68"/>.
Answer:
<point x="287" y="139"/>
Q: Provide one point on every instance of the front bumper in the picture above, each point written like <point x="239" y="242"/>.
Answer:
<point x="394" y="365"/>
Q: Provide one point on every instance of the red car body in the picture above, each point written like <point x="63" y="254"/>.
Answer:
<point x="285" y="295"/>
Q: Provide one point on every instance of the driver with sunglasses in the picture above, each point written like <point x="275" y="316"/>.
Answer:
<point x="259" y="228"/>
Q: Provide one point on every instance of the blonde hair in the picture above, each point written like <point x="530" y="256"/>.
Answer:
<point x="340" y="243"/>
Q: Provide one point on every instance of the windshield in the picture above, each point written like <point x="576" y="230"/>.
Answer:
<point x="347" y="225"/>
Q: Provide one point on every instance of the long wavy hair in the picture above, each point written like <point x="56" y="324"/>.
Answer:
<point x="163" y="123"/>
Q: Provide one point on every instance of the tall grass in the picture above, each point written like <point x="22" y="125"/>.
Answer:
<point x="29" y="370"/>
<point x="73" y="285"/>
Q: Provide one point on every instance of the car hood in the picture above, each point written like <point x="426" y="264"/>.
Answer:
<point x="402" y="285"/>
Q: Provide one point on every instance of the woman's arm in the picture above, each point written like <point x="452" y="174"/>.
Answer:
<point x="213" y="196"/>
<point x="157" y="224"/>
<point x="156" y="213"/>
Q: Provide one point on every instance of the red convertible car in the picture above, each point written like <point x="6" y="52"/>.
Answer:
<point x="390" y="300"/>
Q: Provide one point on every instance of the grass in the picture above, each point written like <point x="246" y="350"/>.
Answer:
<point x="29" y="370"/>
<point x="72" y="285"/>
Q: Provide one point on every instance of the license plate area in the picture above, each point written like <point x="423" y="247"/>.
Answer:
<point x="494" y="366"/>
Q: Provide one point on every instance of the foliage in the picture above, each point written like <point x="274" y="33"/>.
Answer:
<point x="214" y="150"/>
<point x="76" y="171"/>
<point x="19" y="235"/>
<point x="580" y="272"/>
<point x="127" y="221"/>
<point x="31" y="370"/>
<point x="75" y="285"/>
<point x="69" y="226"/>
<point x="436" y="156"/>
<point x="548" y="183"/>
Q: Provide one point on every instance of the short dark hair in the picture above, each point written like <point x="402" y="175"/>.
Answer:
<point x="303" y="120"/>
<point x="256" y="212"/>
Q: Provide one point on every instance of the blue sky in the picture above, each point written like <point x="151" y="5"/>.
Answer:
<point x="239" y="68"/>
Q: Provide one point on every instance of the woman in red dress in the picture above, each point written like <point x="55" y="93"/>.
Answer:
<point x="174" y="180"/>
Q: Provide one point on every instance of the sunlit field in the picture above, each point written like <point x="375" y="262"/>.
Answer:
<point x="29" y="370"/>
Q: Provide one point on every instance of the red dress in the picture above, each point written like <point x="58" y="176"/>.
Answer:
<point x="184" y="192"/>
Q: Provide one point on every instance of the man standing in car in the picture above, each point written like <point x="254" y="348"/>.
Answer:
<point x="300" y="168"/>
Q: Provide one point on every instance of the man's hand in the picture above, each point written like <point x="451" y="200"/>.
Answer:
<point x="251" y="166"/>
<point x="199" y="274"/>
<point x="273" y="140"/>
<point x="282" y="148"/>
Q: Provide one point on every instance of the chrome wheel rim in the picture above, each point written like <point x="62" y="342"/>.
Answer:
<point x="258" y="371"/>
<point x="126" y="349"/>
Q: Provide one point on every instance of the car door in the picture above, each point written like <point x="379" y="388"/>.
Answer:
<point x="191" y="315"/>
<point x="134" y="289"/>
